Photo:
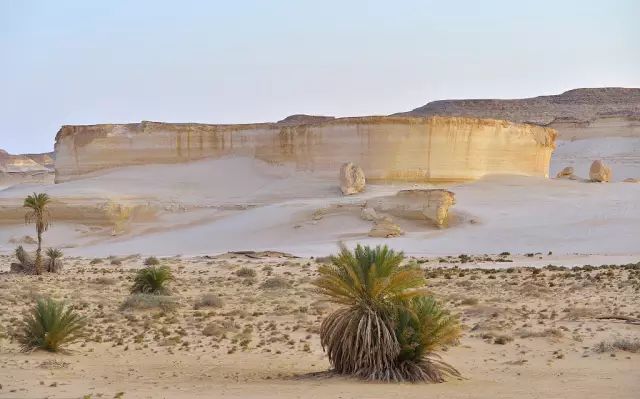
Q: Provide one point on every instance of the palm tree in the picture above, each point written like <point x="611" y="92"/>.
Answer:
<point x="38" y="214"/>
<point x="384" y="329"/>
<point x="369" y="284"/>
<point x="55" y="264"/>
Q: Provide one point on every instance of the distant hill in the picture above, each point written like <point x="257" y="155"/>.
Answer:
<point x="578" y="113"/>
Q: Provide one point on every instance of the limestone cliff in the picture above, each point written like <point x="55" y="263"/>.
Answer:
<point x="579" y="113"/>
<point x="387" y="148"/>
<point x="25" y="168"/>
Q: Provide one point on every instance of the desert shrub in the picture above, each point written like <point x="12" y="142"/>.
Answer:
<point x="549" y="332"/>
<point x="149" y="301"/>
<point x="382" y="330"/>
<point x="275" y="283"/>
<point x="623" y="344"/>
<point x="105" y="280"/>
<point x="50" y="325"/>
<point x="151" y="261"/>
<point x="95" y="261"/>
<point x="245" y="272"/>
<point x="54" y="263"/>
<point x="152" y="280"/>
<point x="209" y="300"/>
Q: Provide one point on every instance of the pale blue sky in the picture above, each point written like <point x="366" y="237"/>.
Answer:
<point x="83" y="62"/>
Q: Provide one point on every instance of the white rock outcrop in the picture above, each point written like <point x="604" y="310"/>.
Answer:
<point x="385" y="228"/>
<point x="567" y="173"/>
<point x="387" y="148"/>
<point x="599" y="172"/>
<point x="419" y="204"/>
<point x="352" y="180"/>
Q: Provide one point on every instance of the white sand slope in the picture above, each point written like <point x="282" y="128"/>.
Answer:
<point x="228" y="204"/>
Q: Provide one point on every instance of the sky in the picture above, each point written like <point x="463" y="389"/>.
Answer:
<point x="86" y="62"/>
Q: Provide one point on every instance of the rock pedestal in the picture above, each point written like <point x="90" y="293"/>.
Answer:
<point x="352" y="180"/>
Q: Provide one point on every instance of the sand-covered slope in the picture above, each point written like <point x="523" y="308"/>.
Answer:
<point x="387" y="148"/>
<point x="240" y="203"/>
<point x="578" y="113"/>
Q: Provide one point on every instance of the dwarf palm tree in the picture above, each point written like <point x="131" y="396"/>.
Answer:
<point x="54" y="265"/>
<point x="38" y="214"/>
<point x="50" y="326"/>
<point x="370" y="284"/>
<point x="152" y="280"/>
<point x="422" y="327"/>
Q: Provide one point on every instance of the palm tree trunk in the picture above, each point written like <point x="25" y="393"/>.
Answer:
<point x="38" y="264"/>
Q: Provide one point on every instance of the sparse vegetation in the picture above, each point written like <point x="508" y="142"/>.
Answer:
<point x="245" y="272"/>
<point x="149" y="301"/>
<point x="50" y="325"/>
<point x="622" y="344"/>
<point x="152" y="280"/>
<point x="275" y="283"/>
<point x="209" y="300"/>
<point x="387" y="329"/>
<point x="151" y="261"/>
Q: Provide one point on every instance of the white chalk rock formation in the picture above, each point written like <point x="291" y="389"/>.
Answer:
<point x="567" y="173"/>
<point x="369" y="214"/>
<point x="387" y="148"/>
<point x="385" y="228"/>
<point x="417" y="204"/>
<point x="352" y="180"/>
<point x="599" y="172"/>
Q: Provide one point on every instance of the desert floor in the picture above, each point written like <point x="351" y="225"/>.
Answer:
<point x="545" y="332"/>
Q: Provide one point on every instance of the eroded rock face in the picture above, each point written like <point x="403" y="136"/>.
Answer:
<point x="432" y="205"/>
<point x="386" y="148"/>
<point x="352" y="180"/>
<point x="599" y="172"/>
<point x="28" y="168"/>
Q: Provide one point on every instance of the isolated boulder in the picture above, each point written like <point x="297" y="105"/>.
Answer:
<point x="369" y="214"/>
<point x="567" y="173"/>
<point x="419" y="204"/>
<point x="385" y="228"/>
<point x="599" y="172"/>
<point x="352" y="180"/>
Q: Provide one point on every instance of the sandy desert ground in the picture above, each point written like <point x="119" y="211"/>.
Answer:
<point x="247" y="326"/>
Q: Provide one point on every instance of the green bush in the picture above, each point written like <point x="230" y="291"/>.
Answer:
<point x="152" y="280"/>
<point x="50" y="325"/>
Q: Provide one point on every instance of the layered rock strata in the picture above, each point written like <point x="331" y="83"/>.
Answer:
<point x="578" y="113"/>
<point x="386" y="148"/>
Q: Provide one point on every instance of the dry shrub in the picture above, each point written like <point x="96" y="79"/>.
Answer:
<point x="149" y="301"/>
<point x="209" y="300"/>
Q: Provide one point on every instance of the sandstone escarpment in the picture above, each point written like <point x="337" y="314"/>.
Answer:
<point x="25" y="168"/>
<point x="386" y="148"/>
<point x="579" y="113"/>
